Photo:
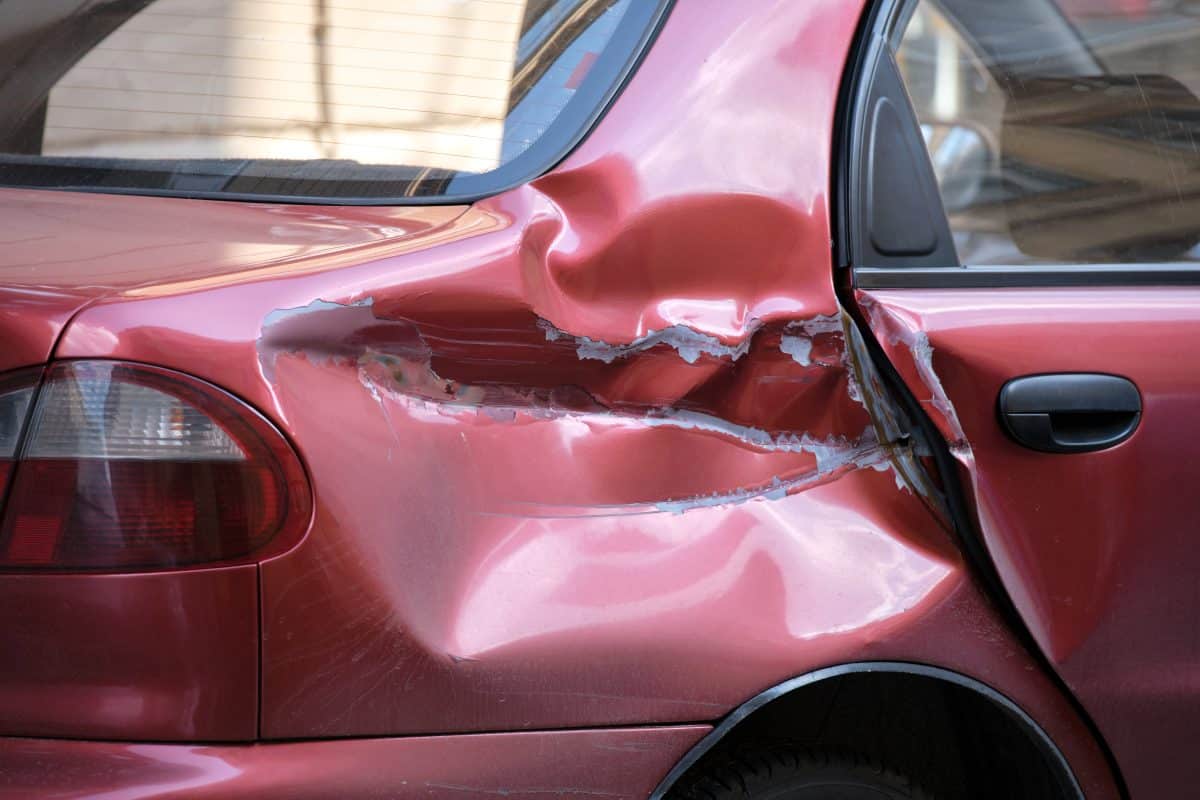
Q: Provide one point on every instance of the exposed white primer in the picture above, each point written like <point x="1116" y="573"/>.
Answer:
<point x="831" y="452"/>
<point x="922" y="353"/>
<point x="282" y="314"/>
<point x="798" y="347"/>
<point x="688" y="342"/>
<point x="876" y="458"/>
<point x="553" y="334"/>
<point x="921" y="349"/>
<point x="775" y="490"/>
<point x="861" y="377"/>
<point x="421" y="384"/>
<point x="319" y="329"/>
<point x="797" y="340"/>
<point x="853" y="389"/>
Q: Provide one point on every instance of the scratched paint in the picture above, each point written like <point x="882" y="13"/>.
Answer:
<point x="507" y="532"/>
<point x="688" y="342"/>
<point x="513" y="531"/>
<point x="910" y="351"/>
<point x="395" y="357"/>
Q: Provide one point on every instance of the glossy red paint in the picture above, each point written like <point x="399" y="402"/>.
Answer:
<point x="31" y="319"/>
<point x="1097" y="550"/>
<point x="594" y="452"/>
<point x="168" y="656"/>
<point x="58" y="254"/>
<point x="505" y="464"/>
<point x="608" y="763"/>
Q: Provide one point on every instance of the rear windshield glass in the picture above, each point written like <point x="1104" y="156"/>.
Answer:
<point x="334" y="100"/>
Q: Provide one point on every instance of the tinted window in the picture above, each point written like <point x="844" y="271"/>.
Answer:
<point x="1061" y="132"/>
<point x="315" y="99"/>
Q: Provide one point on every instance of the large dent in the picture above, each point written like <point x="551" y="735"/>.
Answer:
<point x="622" y="429"/>
<point x="529" y="548"/>
<point x="568" y="431"/>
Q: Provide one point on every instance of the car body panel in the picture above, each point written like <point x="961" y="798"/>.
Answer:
<point x="92" y="245"/>
<point x="601" y="335"/>
<point x="601" y="450"/>
<point x="131" y="656"/>
<point x="615" y="763"/>
<point x="158" y="656"/>
<point x="64" y="250"/>
<point x="1097" y="550"/>
<point x="31" y="319"/>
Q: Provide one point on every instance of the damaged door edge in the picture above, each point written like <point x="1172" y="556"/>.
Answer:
<point x="947" y="457"/>
<point x="892" y="424"/>
<point x="931" y="440"/>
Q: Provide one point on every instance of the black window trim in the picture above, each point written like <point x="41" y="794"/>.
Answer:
<point x="873" y="41"/>
<point x="610" y="74"/>
<point x="1033" y="276"/>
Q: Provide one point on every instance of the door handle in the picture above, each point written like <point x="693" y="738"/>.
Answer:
<point x="1070" y="412"/>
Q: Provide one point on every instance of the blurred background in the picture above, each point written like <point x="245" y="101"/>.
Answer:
<point x="451" y="84"/>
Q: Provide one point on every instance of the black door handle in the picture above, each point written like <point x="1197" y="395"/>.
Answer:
<point x="1070" y="412"/>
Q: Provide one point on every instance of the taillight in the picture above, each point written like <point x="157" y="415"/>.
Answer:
<point x="16" y="392"/>
<point x="131" y="466"/>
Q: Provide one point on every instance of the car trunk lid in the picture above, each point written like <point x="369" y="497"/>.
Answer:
<point x="63" y="250"/>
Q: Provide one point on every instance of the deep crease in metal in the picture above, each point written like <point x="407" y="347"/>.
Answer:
<point x="394" y="359"/>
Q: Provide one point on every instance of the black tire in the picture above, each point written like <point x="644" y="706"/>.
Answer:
<point x="796" y="774"/>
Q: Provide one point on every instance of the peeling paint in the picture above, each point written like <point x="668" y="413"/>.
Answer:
<point x="443" y="428"/>
<point x="922" y="352"/>
<point x="893" y="333"/>
<point x="688" y="342"/>
<point x="876" y="458"/>
<point x="797" y="339"/>
<point x="798" y="347"/>
<point x="281" y="315"/>
<point x="324" y="331"/>
<point x="892" y="424"/>
<point x="830" y="452"/>
<point x="417" y="380"/>
<point x="395" y="358"/>
<point x="776" y="490"/>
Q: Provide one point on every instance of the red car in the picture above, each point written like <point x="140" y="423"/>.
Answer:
<point x="599" y="398"/>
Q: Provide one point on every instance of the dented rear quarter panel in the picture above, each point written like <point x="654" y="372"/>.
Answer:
<point x="596" y="451"/>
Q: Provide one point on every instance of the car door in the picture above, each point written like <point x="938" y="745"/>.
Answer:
<point x="1034" y="283"/>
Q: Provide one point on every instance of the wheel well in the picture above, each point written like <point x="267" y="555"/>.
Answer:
<point x="955" y="736"/>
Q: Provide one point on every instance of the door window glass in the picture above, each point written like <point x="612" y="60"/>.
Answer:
<point x="1060" y="131"/>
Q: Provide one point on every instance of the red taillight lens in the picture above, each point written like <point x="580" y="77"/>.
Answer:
<point x="129" y="466"/>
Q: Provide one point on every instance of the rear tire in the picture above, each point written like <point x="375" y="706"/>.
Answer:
<point x="796" y="774"/>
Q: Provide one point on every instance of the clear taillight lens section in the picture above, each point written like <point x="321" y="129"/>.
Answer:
<point x="129" y="466"/>
<point x="16" y="393"/>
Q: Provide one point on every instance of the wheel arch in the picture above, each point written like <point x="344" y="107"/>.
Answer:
<point x="795" y="689"/>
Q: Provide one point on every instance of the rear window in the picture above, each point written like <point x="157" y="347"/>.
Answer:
<point x="317" y="100"/>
